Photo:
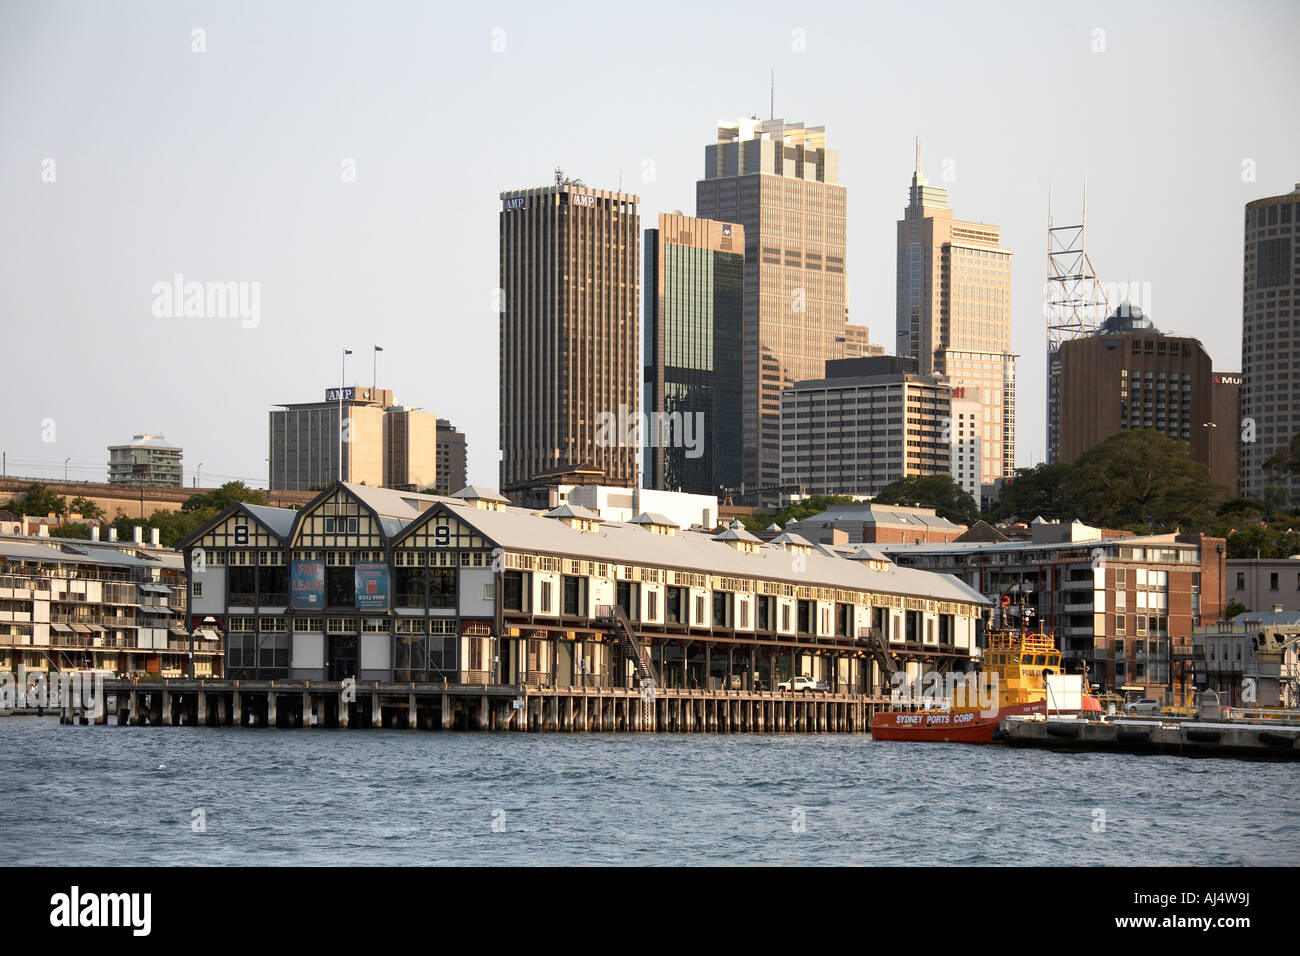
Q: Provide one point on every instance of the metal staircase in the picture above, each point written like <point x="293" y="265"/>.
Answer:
<point x="615" y="617"/>
<point x="874" y="640"/>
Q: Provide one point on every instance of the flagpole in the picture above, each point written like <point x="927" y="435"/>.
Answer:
<point x="343" y="374"/>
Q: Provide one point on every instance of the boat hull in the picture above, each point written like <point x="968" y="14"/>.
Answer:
<point x="947" y="726"/>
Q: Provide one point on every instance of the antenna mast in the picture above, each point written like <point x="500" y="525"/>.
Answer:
<point x="1076" y="303"/>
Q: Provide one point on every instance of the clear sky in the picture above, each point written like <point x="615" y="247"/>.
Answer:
<point x="229" y="165"/>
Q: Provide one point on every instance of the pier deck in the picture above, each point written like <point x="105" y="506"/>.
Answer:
<point x="304" y="704"/>
<point x="1256" y="740"/>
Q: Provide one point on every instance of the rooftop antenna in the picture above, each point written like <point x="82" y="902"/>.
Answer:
<point x="772" y="95"/>
<point x="1077" y="302"/>
<point x="918" y="154"/>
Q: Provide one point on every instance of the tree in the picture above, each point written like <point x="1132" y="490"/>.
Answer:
<point x="1140" y="478"/>
<point x="86" y="508"/>
<point x="1033" y="492"/>
<point x="71" y="529"/>
<point x="219" y="499"/>
<point x="1232" y="609"/>
<point x="947" y="498"/>
<point x="1286" y="460"/>
<point x="38" y="501"/>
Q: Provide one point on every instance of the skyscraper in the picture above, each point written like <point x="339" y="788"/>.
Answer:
<point x="1128" y="375"/>
<point x="694" y="321"/>
<point x="570" y="258"/>
<point x="780" y="181"/>
<point x="384" y="444"/>
<point x="954" y="312"/>
<point x="1270" y="337"/>
<point x="453" y="459"/>
<point x="865" y="423"/>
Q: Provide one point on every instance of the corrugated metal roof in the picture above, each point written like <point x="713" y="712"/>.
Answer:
<point x="614" y="541"/>
<point x="279" y="520"/>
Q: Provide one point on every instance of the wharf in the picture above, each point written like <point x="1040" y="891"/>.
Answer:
<point x="372" y="704"/>
<point x="1252" y="740"/>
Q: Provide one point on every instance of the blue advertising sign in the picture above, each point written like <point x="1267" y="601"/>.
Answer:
<point x="372" y="587"/>
<point x="307" y="584"/>
<point x="345" y="394"/>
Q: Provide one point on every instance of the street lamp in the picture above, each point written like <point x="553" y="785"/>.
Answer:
<point x="1209" y="448"/>
<point x="198" y="480"/>
<point x="65" y="470"/>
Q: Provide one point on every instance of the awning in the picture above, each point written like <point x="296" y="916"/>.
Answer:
<point x="81" y="628"/>
<point x="97" y="628"/>
<point x="157" y="588"/>
<point x="61" y="628"/>
<point x="154" y="608"/>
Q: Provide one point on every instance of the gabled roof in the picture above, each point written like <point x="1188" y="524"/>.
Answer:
<point x="573" y="511"/>
<point x="620" y="542"/>
<point x="470" y="492"/>
<point x="278" y="521"/>
<point x="789" y="537"/>
<point x="736" y="532"/>
<point x="867" y="554"/>
<point x="650" y="517"/>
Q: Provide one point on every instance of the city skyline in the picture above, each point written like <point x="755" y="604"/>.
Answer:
<point x="115" y="192"/>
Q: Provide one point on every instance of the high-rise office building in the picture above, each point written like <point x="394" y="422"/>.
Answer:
<point x="410" y="449"/>
<point x="856" y="343"/>
<point x="1128" y="375"/>
<point x="1270" y="338"/>
<point x="453" y="459"/>
<point x="966" y="431"/>
<point x="570" y="265"/>
<point x="953" y="312"/>
<point x="147" y="460"/>
<point x="868" y="422"/>
<point x="781" y="182"/>
<point x="694" y="322"/>
<point x="384" y="444"/>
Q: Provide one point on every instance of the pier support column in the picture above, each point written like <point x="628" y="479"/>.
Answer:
<point x="585" y="716"/>
<point x="221" y="710"/>
<point x="272" y="709"/>
<point x="203" y="709"/>
<point x="412" y="717"/>
<point x="137" y="716"/>
<point x="237" y="709"/>
<point x="166" y="715"/>
<point x="376" y="712"/>
<point x="447" y="716"/>
<point x="304" y="718"/>
<point x="345" y="712"/>
<point x="484" y="719"/>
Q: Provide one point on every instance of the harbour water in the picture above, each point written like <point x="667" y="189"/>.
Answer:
<point x="223" y="796"/>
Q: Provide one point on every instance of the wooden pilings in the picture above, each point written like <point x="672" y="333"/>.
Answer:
<point x="414" y="706"/>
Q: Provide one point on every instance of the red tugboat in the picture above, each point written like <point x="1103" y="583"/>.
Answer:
<point x="1014" y="680"/>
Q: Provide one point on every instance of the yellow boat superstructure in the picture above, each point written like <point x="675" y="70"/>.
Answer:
<point x="1014" y="665"/>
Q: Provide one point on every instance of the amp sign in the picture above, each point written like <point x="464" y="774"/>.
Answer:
<point x="580" y="200"/>
<point x="332" y="394"/>
<point x="515" y="202"/>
